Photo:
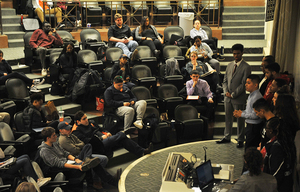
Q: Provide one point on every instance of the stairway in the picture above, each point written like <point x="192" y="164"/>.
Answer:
<point x="12" y="27"/>
<point x="243" y="22"/>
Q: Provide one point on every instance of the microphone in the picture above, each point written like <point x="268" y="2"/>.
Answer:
<point x="204" y="153"/>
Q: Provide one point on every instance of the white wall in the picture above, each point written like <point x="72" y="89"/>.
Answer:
<point x="268" y="36"/>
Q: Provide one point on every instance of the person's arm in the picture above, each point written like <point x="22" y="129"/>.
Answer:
<point x="51" y="159"/>
<point x="111" y="37"/>
<point x="37" y="120"/>
<point x="206" y="90"/>
<point x="7" y="66"/>
<point x="57" y="39"/>
<point x="189" y="87"/>
<point x="239" y="185"/>
<point x="81" y="136"/>
<point x="156" y="34"/>
<point x="249" y="113"/>
<point x="204" y="34"/>
<point x="138" y="35"/>
<point x="193" y="33"/>
<point x="225" y="80"/>
<point x="208" y="50"/>
<point x="68" y="145"/>
<point x="34" y="38"/>
<point x="132" y="97"/>
<point x="241" y="88"/>
<point x="276" y="162"/>
<point x="116" y="70"/>
<point x="189" y="67"/>
<point x="109" y="95"/>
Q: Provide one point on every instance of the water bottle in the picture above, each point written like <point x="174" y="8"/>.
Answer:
<point x="222" y="50"/>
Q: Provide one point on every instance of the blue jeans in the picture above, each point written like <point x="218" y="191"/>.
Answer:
<point x="127" y="48"/>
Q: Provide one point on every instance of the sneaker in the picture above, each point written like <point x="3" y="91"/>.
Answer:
<point x="138" y="124"/>
<point x="34" y="89"/>
<point x="149" y="149"/>
<point x="31" y="180"/>
<point x="44" y="72"/>
<point x="43" y="181"/>
<point x="37" y="82"/>
<point x="134" y="55"/>
<point x="90" y="163"/>
<point x="60" y="25"/>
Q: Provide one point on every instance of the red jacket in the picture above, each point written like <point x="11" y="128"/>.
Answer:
<point x="40" y="39"/>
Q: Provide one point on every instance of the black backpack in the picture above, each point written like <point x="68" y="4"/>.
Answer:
<point x="112" y="123"/>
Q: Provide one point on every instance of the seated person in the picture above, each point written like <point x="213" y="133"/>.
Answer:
<point x="39" y="7"/>
<point x="33" y="115"/>
<point x="146" y="34"/>
<point x="68" y="62"/>
<point x="86" y="131"/>
<point x="26" y="187"/>
<point x="279" y="154"/>
<point x="55" y="156"/>
<point x="69" y="142"/>
<point x="195" y="64"/>
<point x="122" y="69"/>
<point x="200" y="87"/>
<point x="43" y="39"/>
<point x="23" y="164"/>
<point x="121" y="99"/>
<point x="6" y="73"/>
<point x="120" y="34"/>
<point x="264" y="81"/>
<point x="254" y="179"/>
<point x="205" y="53"/>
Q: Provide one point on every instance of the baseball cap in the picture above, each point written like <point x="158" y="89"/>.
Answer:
<point x="124" y="56"/>
<point x="64" y="125"/>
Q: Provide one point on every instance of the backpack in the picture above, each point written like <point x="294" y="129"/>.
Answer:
<point x="101" y="51"/>
<point x="112" y="123"/>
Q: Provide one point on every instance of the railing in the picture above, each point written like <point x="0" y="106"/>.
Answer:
<point x="208" y="11"/>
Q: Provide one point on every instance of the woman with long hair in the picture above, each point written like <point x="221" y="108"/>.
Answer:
<point x="68" y="61"/>
<point x="279" y="154"/>
<point x="147" y="34"/>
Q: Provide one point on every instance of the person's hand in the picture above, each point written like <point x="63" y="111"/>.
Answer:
<point x="161" y="41"/>
<point x="205" y="56"/>
<point x="2" y="163"/>
<point x="194" y="84"/>
<point x="78" y="161"/>
<point x="4" y="74"/>
<point x="228" y="95"/>
<point x="53" y="30"/>
<point x="194" y="67"/>
<point x="126" y="41"/>
<point x="237" y="113"/>
<point x="149" y="39"/>
<point x="132" y="102"/>
<point x="123" y="68"/>
<point x="48" y="122"/>
<point x="108" y="134"/>
<point x="79" y="167"/>
<point x="104" y="137"/>
<point x="210" y="100"/>
<point x="126" y="103"/>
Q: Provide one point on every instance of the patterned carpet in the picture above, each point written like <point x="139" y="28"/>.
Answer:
<point x="145" y="174"/>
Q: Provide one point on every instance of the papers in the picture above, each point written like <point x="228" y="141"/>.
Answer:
<point x="71" y="162"/>
<point x="9" y="162"/>
<point x="223" y="174"/>
<point x="192" y="97"/>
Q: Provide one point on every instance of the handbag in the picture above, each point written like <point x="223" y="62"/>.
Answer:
<point x="52" y="111"/>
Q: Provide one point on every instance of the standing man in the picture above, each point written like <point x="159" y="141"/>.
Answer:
<point x="235" y="95"/>
<point x="120" y="35"/>
<point x="43" y="39"/>
<point x="254" y="123"/>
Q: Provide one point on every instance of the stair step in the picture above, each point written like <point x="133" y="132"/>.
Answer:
<point x="235" y="9"/>
<point x="11" y="27"/>
<point x="250" y="50"/>
<point x="11" y="19"/>
<point x="248" y="57"/>
<point x="227" y="23"/>
<point x="219" y="128"/>
<point x="8" y="11"/>
<point x="238" y="36"/>
<point x="244" y="16"/>
<point x="96" y="118"/>
<point x="15" y="43"/>
<point x="255" y="65"/>
<point x="58" y="100"/>
<point x="33" y="76"/>
<point x="20" y="68"/>
<point x="246" y="42"/>
<point x="15" y="35"/>
<point x="44" y="87"/>
<point x="244" y="29"/>
<point x="70" y="108"/>
<point x="121" y="156"/>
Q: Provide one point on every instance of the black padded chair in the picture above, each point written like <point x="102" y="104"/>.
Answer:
<point x="174" y="51"/>
<point x="188" y="125"/>
<point x="106" y="76"/>
<point x="168" y="99"/>
<point x="112" y="56"/>
<point x="145" y="58"/>
<point x="141" y="75"/>
<point x="139" y="9"/>
<point x="176" y="80"/>
<point x="17" y="91"/>
<point x="7" y="138"/>
<point x="172" y="30"/>
<point x="9" y="107"/>
<point x="142" y="93"/>
<point x="66" y="35"/>
<point x="91" y="39"/>
<point x="88" y="58"/>
<point x="165" y="12"/>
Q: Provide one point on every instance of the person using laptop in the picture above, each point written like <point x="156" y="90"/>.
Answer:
<point x="254" y="179"/>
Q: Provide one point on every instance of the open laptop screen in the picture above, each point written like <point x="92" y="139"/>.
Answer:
<point x="205" y="174"/>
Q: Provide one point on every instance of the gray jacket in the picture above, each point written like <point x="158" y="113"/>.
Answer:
<point x="54" y="156"/>
<point x="138" y="36"/>
<point x="235" y="84"/>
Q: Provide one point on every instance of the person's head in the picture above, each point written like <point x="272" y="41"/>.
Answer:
<point x="118" y="19"/>
<point x="276" y="84"/>
<point x="123" y="59"/>
<point x="46" y="27"/>
<point x="64" y="128"/>
<point x="81" y="119"/>
<point x="195" y="75"/>
<point x="37" y="100"/>
<point x="266" y="61"/>
<point x="197" y="40"/>
<point x="48" y="134"/>
<point x="194" y="55"/>
<point x="261" y="107"/>
<point x="68" y="48"/>
<point x="272" y="70"/>
<point x="197" y="24"/>
<point x="1" y="55"/>
<point x="145" y="21"/>
<point x="238" y="51"/>
<point x="269" y="57"/>
<point x="285" y="89"/>
<point x="285" y="105"/>
<point x="252" y="83"/>
<point x="272" y="127"/>
<point x="26" y="187"/>
<point x="118" y="82"/>
<point x="253" y="161"/>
